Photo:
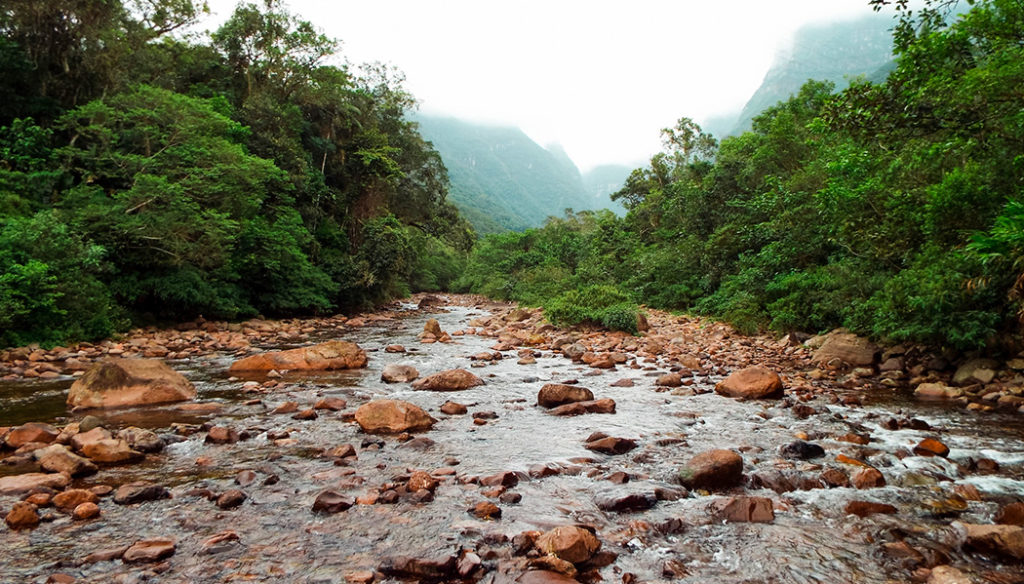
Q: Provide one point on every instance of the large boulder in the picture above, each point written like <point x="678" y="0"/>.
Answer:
<point x="129" y="382"/>
<point x="711" y="470"/>
<point x="323" y="357"/>
<point x="1002" y="540"/>
<point x="57" y="458"/>
<point x="389" y="416"/>
<point x="31" y="432"/>
<point x="751" y="383"/>
<point x="570" y="543"/>
<point x="845" y="348"/>
<point x="976" y="371"/>
<point x="23" y="483"/>
<point x="450" y="380"/>
<point x="556" y="394"/>
<point x="395" y="373"/>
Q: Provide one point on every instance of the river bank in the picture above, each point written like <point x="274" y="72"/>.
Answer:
<point x="794" y="514"/>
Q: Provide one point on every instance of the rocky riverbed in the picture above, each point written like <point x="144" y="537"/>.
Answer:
<point x="563" y="456"/>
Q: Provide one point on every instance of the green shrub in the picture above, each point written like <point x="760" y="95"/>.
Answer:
<point x="600" y="305"/>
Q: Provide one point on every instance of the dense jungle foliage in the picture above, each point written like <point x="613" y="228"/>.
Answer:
<point x="895" y="209"/>
<point x="148" y="175"/>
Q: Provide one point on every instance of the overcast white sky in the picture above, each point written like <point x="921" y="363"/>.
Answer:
<point x="600" y="78"/>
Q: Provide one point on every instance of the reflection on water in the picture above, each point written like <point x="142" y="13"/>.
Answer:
<point x="811" y="540"/>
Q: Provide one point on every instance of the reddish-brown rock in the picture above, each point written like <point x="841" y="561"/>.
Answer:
<point x="23" y="483"/>
<point x="453" y="409"/>
<point x="129" y="382"/>
<point x="556" y="394"/>
<point x="611" y="445"/>
<point x="486" y="510"/>
<point x="421" y="481"/>
<point x="571" y="543"/>
<point x="450" y="380"/>
<point x="865" y="508"/>
<point x="149" y="550"/>
<point x="57" y="458"/>
<point x="845" y="348"/>
<point x="545" y="577"/>
<point x="332" y="502"/>
<point x="714" y="469"/>
<point x="1012" y="514"/>
<point x="598" y="406"/>
<point x="868" y="478"/>
<point x="744" y="510"/>
<point x="111" y="451"/>
<point x="31" y="432"/>
<point x="394" y="373"/>
<point x="323" y="357"/>
<point x="66" y="501"/>
<point x="222" y="435"/>
<point x="931" y="447"/>
<point x="388" y="416"/>
<point x="23" y="515"/>
<point x="751" y="383"/>
<point x="1003" y="540"/>
<point x="87" y="510"/>
<point x="670" y="380"/>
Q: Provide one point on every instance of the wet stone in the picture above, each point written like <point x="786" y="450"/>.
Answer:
<point x="571" y="543"/>
<point x="453" y="409"/>
<point x="502" y="479"/>
<point x="866" y="508"/>
<point x="801" y="450"/>
<point x="231" y="499"/>
<point x="485" y="510"/>
<point x="714" y="469"/>
<point x="1012" y="514"/>
<point x="149" y="550"/>
<point x="332" y="502"/>
<point x="222" y="435"/>
<point x="23" y="515"/>
<point x="867" y="478"/>
<point x="66" y="501"/>
<point x="86" y="511"/>
<point x="611" y="445"/>
<point x="245" y="478"/>
<point x="140" y="492"/>
<point x="623" y="502"/>
<point x="931" y="447"/>
<point x="744" y="510"/>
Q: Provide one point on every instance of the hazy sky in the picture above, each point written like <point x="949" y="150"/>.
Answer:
<point x="600" y="78"/>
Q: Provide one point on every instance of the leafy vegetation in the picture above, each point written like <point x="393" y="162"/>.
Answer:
<point x="144" y="177"/>
<point x="894" y="208"/>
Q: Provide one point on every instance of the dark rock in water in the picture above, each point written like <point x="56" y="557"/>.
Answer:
<point x="833" y="477"/>
<point x="744" y="510"/>
<point x="865" y="508"/>
<point x="611" y="445"/>
<point x="570" y="542"/>
<point x="776" y="480"/>
<point x="486" y="510"/>
<point x="231" y="499"/>
<point x="149" y="550"/>
<point x="545" y="577"/>
<point x="222" y="435"/>
<point x="867" y="478"/>
<point x="931" y="447"/>
<point x="332" y="502"/>
<point x="428" y="566"/>
<point x="714" y="469"/>
<point x="557" y="394"/>
<point x="802" y="450"/>
<point x="598" y="406"/>
<point x="1012" y="514"/>
<point x="502" y="479"/>
<point x="619" y="502"/>
<point x="245" y="478"/>
<point x="139" y="492"/>
<point x="453" y="409"/>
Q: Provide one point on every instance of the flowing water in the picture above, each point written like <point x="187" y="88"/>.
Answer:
<point x="810" y="541"/>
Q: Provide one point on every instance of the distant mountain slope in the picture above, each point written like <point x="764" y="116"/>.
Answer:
<point x="501" y="179"/>
<point x="602" y="181"/>
<point x="835" y="52"/>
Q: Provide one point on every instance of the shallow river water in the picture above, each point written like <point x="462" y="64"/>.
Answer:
<point x="811" y="540"/>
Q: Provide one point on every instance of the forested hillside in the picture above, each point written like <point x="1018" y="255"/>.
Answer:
<point x="895" y="209"/>
<point x="503" y="180"/>
<point x="145" y="177"/>
<point x="837" y="52"/>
